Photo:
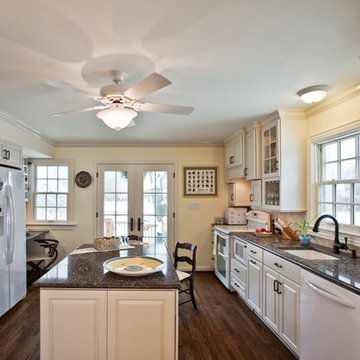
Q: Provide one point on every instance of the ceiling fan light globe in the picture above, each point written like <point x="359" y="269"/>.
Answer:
<point x="117" y="117"/>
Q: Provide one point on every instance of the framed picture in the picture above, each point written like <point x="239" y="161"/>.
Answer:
<point x="200" y="181"/>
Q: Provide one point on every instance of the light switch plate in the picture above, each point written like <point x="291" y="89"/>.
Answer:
<point x="194" y="206"/>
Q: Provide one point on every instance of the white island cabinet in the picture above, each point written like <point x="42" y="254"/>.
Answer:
<point x="107" y="325"/>
<point x="89" y="313"/>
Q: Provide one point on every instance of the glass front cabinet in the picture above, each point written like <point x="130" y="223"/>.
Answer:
<point x="271" y="150"/>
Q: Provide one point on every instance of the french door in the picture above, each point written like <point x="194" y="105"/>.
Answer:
<point x="136" y="199"/>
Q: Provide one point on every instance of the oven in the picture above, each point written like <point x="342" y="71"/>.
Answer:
<point x="222" y="256"/>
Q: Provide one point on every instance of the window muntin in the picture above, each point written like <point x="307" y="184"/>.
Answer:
<point x="51" y="195"/>
<point x="339" y="174"/>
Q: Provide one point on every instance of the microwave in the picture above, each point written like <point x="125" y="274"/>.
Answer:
<point x="236" y="216"/>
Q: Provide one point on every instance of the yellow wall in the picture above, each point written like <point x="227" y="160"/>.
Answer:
<point x="192" y="225"/>
<point x="334" y="114"/>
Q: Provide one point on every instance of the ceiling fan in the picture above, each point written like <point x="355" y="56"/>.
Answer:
<point x="120" y="106"/>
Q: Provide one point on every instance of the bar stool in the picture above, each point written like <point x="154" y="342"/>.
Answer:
<point x="51" y="254"/>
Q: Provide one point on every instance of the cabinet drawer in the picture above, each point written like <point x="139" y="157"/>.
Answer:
<point x="239" y="270"/>
<point x="238" y="286"/>
<point x="255" y="252"/>
<point x="283" y="267"/>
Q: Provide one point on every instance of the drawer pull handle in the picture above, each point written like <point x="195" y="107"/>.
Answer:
<point x="253" y="262"/>
<point x="252" y="251"/>
<point x="236" y="270"/>
<point x="278" y="265"/>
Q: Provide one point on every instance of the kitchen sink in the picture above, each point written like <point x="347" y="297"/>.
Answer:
<point x="310" y="254"/>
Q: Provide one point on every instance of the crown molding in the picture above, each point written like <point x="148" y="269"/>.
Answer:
<point x="163" y="144"/>
<point x="335" y="100"/>
<point x="14" y="121"/>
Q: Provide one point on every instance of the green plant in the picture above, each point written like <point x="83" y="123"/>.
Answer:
<point x="303" y="226"/>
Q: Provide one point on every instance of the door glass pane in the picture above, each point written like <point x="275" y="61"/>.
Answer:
<point x="149" y="181"/>
<point x="273" y="134"/>
<point x="155" y="206"/>
<point x="116" y="203"/>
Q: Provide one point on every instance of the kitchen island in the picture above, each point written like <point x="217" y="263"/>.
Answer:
<point x="87" y="312"/>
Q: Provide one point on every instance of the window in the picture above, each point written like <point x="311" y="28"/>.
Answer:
<point x="51" y="192"/>
<point x="339" y="179"/>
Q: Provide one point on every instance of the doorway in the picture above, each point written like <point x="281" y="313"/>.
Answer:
<point x="136" y="199"/>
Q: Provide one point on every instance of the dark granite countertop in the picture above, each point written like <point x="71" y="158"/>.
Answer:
<point x="86" y="271"/>
<point x="30" y="235"/>
<point x="344" y="272"/>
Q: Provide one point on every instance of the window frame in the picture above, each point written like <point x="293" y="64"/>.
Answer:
<point x="32" y="191"/>
<point x="313" y="179"/>
<point x="339" y="181"/>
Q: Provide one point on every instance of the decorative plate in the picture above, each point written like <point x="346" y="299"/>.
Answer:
<point x="83" y="179"/>
<point x="134" y="266"/>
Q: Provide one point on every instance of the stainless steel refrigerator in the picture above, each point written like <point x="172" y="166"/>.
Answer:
<point x="12" y="238"/>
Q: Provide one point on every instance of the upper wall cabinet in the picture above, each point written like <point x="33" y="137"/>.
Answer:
<point x="253" y="152"/>
<point x="284" y="161"/>
<point x="235" y="156"/>
<point x="10" y="154"/>
<point x="270" y="136"/>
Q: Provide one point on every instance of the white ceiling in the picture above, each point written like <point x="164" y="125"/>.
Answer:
<point x="233" y="60"/>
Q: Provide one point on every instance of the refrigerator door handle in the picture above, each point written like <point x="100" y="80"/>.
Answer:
<point x="330" y="296"/>
<point x="9" y="219"/>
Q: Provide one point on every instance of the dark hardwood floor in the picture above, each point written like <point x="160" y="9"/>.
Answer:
<point x="222" y="328"/>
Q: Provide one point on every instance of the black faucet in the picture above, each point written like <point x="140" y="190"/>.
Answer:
<point x="337" y="245"/>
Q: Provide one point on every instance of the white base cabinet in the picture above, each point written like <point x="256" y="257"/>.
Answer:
<point x="108" y="324"/>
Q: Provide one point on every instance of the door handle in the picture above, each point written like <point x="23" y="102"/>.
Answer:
<point x="138" y="224"/>
<point x="251" y="197"/>
<point x="275" y="285"/>
<point x="278" y="287"/>
<point x="330" y="296"/>
<point x="131" y="224"/>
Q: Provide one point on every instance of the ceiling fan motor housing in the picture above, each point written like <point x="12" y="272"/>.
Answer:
<point x="113" y="91"/>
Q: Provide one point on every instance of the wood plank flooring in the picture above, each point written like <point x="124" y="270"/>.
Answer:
<point x="222" y="328"/>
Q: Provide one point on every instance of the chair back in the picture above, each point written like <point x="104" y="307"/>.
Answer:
<point x="183" y="258"/>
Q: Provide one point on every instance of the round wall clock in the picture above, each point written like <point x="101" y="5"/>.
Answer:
<point x="83" y="179"/>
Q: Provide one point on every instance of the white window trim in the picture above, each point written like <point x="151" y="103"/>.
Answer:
<point x="52" y="224"/>
<point x="327" y="229"/>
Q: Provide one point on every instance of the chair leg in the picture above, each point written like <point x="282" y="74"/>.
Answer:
<point x="192" y="296"/>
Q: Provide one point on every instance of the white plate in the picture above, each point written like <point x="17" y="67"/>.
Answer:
<point x="134" y="266"/>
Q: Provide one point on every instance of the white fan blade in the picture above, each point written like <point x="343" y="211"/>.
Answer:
<point x="66" y="86"/>
<point x="132" y="123"/>
<point x="98" y="107"/>
<point x="146" y="86"/>
<point x="163" y="108"/>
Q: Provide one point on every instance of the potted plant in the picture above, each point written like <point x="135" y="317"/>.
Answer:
<point x="302" y="231"/>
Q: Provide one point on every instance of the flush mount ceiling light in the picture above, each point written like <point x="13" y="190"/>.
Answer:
<point x="313" y="94"/>
<point x="117" y="117"/>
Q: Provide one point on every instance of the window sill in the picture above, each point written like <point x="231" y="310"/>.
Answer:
<point x="51" y="226"/>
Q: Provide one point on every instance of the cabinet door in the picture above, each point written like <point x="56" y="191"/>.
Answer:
<point x="142" y="325"/>
<point x="289" y="313"/>
<point x="270" y="299"/>
<point x="73" y="324"/>
<point x="256" y="193"/>
<point x="14" y="155"/>
<point x="254" y="285"/>
<point x="229" y="155"/>
<point x="270" y="141"/>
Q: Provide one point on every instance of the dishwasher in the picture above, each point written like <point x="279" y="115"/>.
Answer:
<point x="330" y="320"/>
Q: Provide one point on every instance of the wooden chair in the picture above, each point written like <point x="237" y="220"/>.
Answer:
<point x="184" y="276"/>
<point x="51" y="254"/>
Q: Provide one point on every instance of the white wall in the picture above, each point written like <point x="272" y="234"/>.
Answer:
<point x="193" y="226"/>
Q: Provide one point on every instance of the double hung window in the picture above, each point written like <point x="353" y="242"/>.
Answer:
<point x="51" y="192"/>
<point x="339" y="179"/>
